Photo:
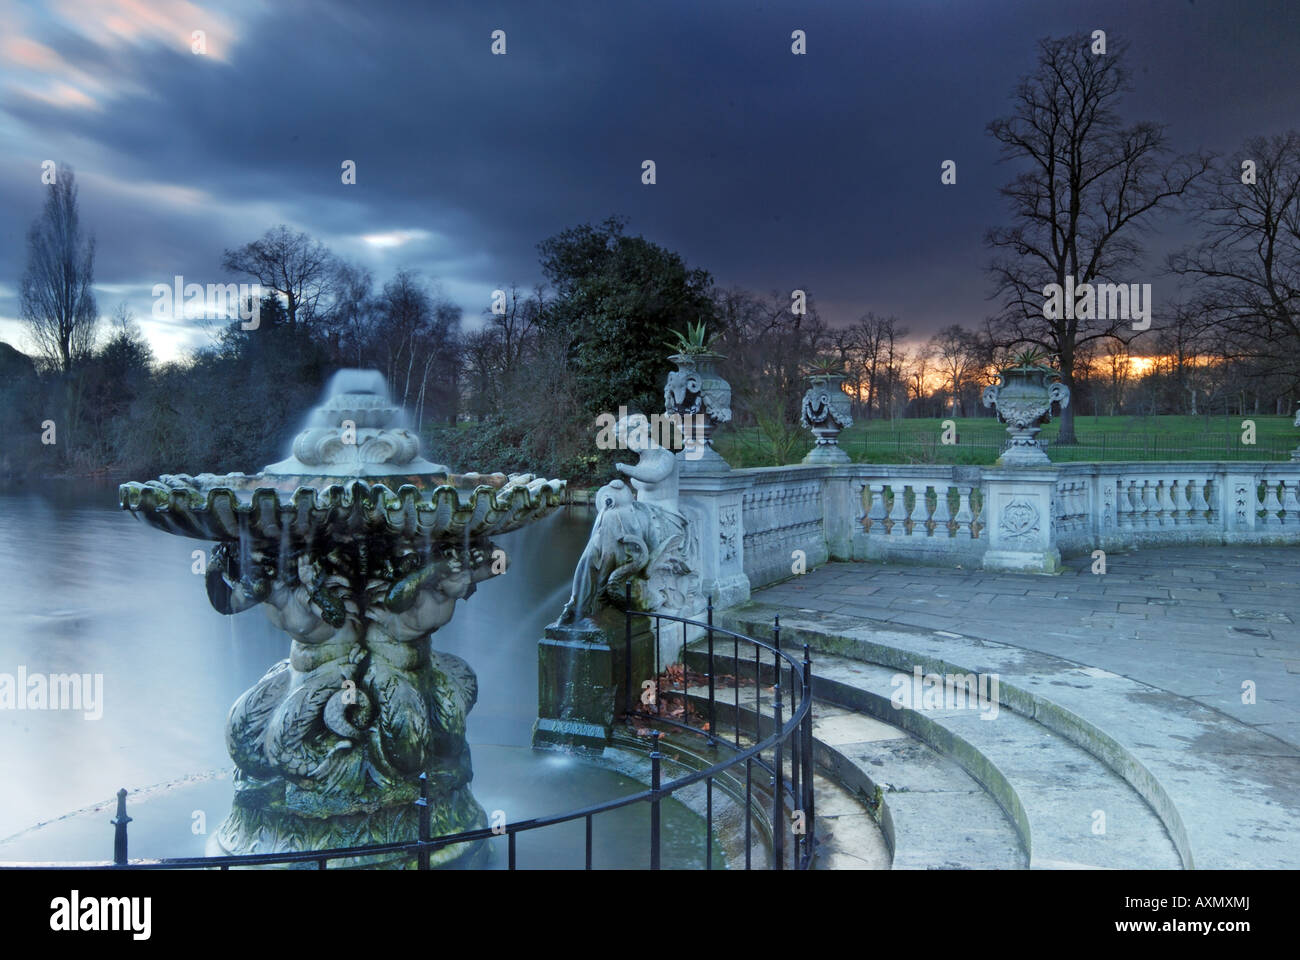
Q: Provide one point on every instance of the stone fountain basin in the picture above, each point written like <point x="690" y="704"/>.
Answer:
<point x="303" y="509"/>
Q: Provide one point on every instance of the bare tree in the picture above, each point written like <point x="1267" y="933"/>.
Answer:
<point x="353" y="310"/>
<point x="766" y="345"/>
<point x="300" y="269"/>
<point x="1089" y="186"/>
<point x="1247" y="270"/>
<point x="956" y="353"/>
<point x="919" y="367"/>
<point x="844" y="345"/>
<point x="418" y="330"/>
<point x="57" y="302"/>
<point x="892" y="361"/>
<point x="1118" y="365"/>
<point x="481" y="353"/>
<point x="516" y="326"/>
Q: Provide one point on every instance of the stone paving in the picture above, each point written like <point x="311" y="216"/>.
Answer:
<point x="1196" y="621"/>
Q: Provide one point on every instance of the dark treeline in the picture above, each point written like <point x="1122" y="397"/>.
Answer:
<point x="520" y="387"/>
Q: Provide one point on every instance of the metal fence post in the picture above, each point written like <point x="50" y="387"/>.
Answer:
<point x="796" y="764"/>
<point x="778" y="806"/>
<point x="713" y="714"/>
<point x="627" y="635"/>
<point x="119" y="834"/>
<point x="655" y="757"/>
<point x="809" y="802"/>
<point x="425" y="816"/>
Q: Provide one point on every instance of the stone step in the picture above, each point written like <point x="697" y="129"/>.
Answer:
<point x="1227" y="793"/>
<point x="931" y="814"/>
<point x="848" y="836"/>
<point x="934" y="816"/>
<point x="1055" y="792"/>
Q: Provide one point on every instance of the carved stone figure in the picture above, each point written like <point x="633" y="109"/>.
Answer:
<point x="362" y="706"/>
<point x="642" y="539"/>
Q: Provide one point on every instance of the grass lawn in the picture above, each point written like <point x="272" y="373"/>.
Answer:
<point x="980" y="441"/>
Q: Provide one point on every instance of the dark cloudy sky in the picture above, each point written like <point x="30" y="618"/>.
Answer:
<point x="775" y="171"/>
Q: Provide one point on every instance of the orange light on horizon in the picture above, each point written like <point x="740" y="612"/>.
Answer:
<point x="1141" y="366"/>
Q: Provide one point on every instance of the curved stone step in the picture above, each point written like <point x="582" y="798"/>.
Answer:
<point x="932" y="814"/>
<point x="849" y="838"/>
<point x="1059" y="795"/>
<point x="1228" y="794"/>
<point x="1070" y="809"/>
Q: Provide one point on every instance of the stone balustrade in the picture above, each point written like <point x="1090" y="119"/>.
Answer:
<point x="781" y="513"/>
<point x="995" y="517"/>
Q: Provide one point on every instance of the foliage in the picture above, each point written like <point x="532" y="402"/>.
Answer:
<point x="825" y="365"/>
<point x="692" y="342"/>
<point x="616" y="297"/>
<point x="1031" y="359"/>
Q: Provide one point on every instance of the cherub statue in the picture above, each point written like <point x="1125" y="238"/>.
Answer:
<point x="654" y="475"/>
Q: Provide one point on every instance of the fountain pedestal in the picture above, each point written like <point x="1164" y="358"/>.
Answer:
<point x="329" y="745"/>
<point x="358" y="549"/>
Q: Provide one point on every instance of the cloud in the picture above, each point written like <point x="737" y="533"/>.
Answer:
<point x="173" y="196"/>
<point x="395" y="238"/>
<point x="774" y="171"/>
<point x="143" y="24"/>
<point x="61" y="95"/>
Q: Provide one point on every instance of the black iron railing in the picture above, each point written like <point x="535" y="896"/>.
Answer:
<point x="752" y="749"/>
<point x="784" y="670"/>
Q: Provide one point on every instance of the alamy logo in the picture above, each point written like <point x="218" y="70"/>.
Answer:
<point x="55" y="691"/>
<point x="946" y="691"/>
<point x="659" y="430"/>
<point x="1098" y="301"/>
<point x="74" y="913"/>
<point x="219" y="300"/>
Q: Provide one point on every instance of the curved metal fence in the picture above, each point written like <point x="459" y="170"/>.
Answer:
<point x="787" y="743"/>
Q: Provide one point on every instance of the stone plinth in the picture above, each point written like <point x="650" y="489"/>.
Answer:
<point x="1019" y="521"/>
<point x="582" y="679"/>
<point x="713" y="505"/>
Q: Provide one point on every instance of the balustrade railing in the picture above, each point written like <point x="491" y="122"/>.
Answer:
<point x="940" y="511"/>
<point x="780" y="513"/>
<point x="922" y="508"/>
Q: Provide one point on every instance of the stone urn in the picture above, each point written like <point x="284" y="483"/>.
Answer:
<point x="1023" y="397"/>
<point x="696" y="393"/>
<point x="1295" y="454"/>
<point x="825" y="411"/>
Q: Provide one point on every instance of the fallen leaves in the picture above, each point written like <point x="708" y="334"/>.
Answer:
<point x="674" y="703"/>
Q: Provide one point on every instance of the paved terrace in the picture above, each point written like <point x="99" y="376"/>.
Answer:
<point x="1197" y="622"/>
<point x="1121" y="692"/>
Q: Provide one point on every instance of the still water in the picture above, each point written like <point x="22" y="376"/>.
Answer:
<point x="85" y="588"/>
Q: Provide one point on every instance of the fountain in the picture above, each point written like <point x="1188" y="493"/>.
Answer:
<point x="357" y="548"/>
